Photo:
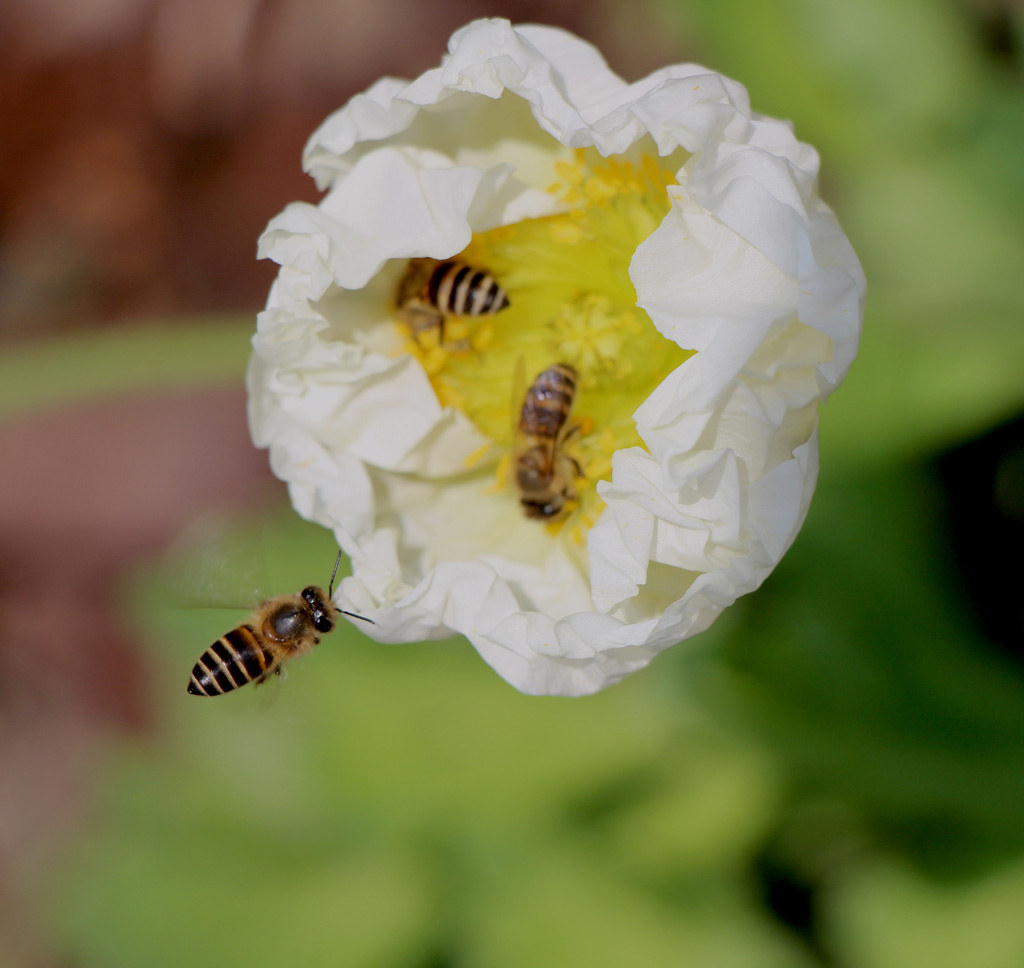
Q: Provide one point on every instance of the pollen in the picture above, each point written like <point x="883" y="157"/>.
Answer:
<point x="570" y="301"/>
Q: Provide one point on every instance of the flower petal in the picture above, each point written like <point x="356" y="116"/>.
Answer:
<point x="748" y="269"/>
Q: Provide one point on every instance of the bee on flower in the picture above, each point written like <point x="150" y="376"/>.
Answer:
<point x="431" y="292"/>
<point x="654" y="256"/>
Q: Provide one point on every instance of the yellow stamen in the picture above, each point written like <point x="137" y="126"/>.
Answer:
<point x="570" y="301"/>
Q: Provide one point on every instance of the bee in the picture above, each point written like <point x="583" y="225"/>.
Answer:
<point x="281" y="628"/>
<point x="545" y="474"/>
<point x="431" y="291"/>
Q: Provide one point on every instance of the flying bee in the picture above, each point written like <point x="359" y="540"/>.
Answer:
<point x="432" y="291"/>
<point x="281" y="628"/>
<point x="545" y="474"/>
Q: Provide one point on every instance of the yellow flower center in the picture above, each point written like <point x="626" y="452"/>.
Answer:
<point x="570" y="301"/>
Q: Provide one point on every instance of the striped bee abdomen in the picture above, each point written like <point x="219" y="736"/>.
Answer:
<point x="460" y="290"/>
<point x="236" y="658"/>
<point x="548" y="402"/>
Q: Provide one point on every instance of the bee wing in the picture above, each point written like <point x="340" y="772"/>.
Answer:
<point x="414" y="281"/>
<point x="524" y="441"/>
<point x="216" y="562"/>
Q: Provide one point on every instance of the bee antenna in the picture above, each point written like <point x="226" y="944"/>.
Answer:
<point x="330" y="588"/>
<point x="353" y="615"/>
<point x="330" y="591"/>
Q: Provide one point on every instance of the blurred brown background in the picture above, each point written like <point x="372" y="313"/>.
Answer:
<point x="144" y="144"/>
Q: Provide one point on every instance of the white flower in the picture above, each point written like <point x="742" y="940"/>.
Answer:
<point x="662" y="239"/>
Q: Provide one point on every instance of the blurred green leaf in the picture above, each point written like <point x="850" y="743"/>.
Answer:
<point x="886" y="915"/>
<point x="146" y="356"/>
<point x="858" y="79"/>
<point x="871" y="682"/>
<point x="563" y="906"/>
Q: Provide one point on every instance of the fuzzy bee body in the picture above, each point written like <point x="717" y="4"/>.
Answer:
<point x="431" y="291"/>
<point x="545" y="474"/>
<point x="281" y="628"/>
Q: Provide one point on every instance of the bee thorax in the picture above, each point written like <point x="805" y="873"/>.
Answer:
<point x="287" y="622"/>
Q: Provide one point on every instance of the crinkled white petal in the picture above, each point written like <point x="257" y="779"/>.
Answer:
<point x="748" y="268"/>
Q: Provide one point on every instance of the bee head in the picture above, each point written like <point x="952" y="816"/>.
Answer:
<point x="320" y="607"/>
<point x="544" y="509"/>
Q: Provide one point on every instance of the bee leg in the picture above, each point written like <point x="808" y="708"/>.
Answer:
<point x="265" y="676"/>
<point x="422" y="319"/>
<point x="574" y="431"/>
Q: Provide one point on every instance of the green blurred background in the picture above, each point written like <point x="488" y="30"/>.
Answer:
<point x="832" y="776"/>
